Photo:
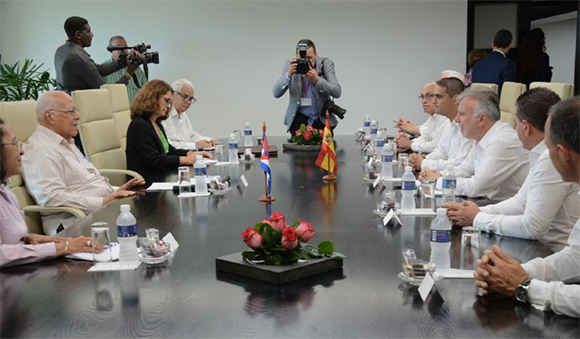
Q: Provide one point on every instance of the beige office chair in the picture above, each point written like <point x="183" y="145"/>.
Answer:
<point x="21" y="117"/>
<point x="493" y="87"/>
<point x="564" y="90"/>
<point x="507" y="102"/>
<point x="121" y="110"/>
<point x="99" y="135"/>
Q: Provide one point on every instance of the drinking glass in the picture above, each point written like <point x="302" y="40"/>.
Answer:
<point x="403" y="159"/>
<point x="184" y="181"/>
<point x="100" y="235"/>
<point x="470" y="244"/>
<point x="428" y="192"/>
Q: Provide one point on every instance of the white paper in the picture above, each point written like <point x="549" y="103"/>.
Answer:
<point x="426" y="286"/>
<point x="193" y="195"/>
<point x="244" y="181"/>
<point x="417" y="212"/>
<point x="160" y="186"/>
<point x="393" y="180"/>
<point x="209" y="161"/>
<point x="101" y="257"/>
<point x="377" y="181"/>
<point x="388" y="217"/>
<point x="173" y="245"/>
<point x="114" y="266"/>
<point x="453" y="273"/>
<point x="224" y="163"/>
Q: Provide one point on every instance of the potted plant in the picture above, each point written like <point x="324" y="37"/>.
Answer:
<point x="23" y="82"/>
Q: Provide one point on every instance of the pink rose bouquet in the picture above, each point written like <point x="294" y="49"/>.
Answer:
<point x="276" y="243"/>
<point x="307" y="135"/>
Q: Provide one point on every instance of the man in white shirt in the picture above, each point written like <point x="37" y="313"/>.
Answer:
<point x="528" y="214"/>
<point x="452" y="147"/>
<point x="550" y="283"/>
<point x="429" y="132"/>
<point x="497" y="164"/>
<point x="55" y="171"/>
<point x="180" y="133"/>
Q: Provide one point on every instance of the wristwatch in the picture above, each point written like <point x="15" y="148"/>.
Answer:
<point x="522" y="290"/>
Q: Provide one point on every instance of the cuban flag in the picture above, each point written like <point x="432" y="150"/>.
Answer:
<point x="265" y="162"/>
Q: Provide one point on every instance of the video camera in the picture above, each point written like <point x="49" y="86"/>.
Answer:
<point x="146" y="57"/>
<point x="302" y="64"/>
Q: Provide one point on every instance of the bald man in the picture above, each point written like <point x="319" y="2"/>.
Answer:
<point x="56" y="173"/>
<point x="429" y="132"/>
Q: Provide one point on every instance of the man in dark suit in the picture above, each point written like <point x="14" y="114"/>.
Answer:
<point x="496" y="68"/>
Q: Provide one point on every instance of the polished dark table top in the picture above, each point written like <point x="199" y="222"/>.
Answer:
<point x="188" y="298"/>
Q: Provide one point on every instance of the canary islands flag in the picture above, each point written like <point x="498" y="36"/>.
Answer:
<point x="265" y="161"/>
<point x="327" y="156"/>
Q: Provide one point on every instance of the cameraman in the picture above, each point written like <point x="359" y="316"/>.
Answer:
<point x="132" y="87"/>
<point x="74" y="67"/>
<point x="310" y="91"/>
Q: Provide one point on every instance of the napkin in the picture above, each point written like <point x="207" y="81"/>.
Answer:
<point x="418" y="212"/>
<point x="101" y="257"/>
<point x="453" y="273"/>
<point x="114" y="266"/>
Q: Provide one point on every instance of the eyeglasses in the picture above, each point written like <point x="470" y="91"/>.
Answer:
<point x="167" y="101"/>
<point x="187" y="98"/>
<point x="16" y="143"/>
<point x="428" y="96"/>
<point x="70" y="111"/>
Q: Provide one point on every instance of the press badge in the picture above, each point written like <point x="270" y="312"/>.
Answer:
<point x="306" y="102"/>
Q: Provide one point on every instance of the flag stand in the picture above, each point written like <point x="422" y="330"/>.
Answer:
<point x="328" y="176"/>
<point x="266" y="197"/>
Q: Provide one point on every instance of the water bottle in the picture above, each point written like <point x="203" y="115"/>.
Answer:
<point x="449" y="183"/>
<point x="387" y="160"/>
<point x="441" y="240"/>
<point x="233" y="149"/>
<point x="248" y="135"/>
<point x="408" y="189"/>
<point x="374" y="129"/>
<point x="200" y="170"/>
<point x="127" y="235"/>
<point x="366" y="124"/>
<point x="379" y="143"/>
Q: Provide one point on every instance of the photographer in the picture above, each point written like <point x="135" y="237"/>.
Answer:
<point x="74" y="67"/>
<point x="132" y="87"/>
<point x="312" y="82"/>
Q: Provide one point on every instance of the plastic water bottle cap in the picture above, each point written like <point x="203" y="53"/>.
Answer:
<point x="198" y="157"/>
<point x="247" y="124"/>
<point x="408" y="168"/>
<point x="125" y="208"/>
<point x="232" y="135"/>
<point x="442" y="211"/>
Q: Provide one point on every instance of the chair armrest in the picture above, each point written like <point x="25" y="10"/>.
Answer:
<point x="120" y="171"/>
<point x="74" y="211"/>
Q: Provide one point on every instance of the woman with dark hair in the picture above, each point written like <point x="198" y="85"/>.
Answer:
<point x="533" y="64"/>
<point x="16" y="245"/>
<point x="148" y="151"/>
<point x="472" y="58"/>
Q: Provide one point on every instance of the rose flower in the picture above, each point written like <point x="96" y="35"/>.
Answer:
<point x="289" y="238"/>
<point x="252" y="238"/>
<point x="305" y="231"/>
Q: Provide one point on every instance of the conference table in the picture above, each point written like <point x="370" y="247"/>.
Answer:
<point x="187" y="297"/>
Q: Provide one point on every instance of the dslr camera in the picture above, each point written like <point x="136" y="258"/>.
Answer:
<point x="146" y="57"/>
<point x="334" y="109"/>
<point x="302" y="64"/>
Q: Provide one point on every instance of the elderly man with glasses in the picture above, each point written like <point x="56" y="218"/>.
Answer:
<point x="56" y="173"/>
<point x="178" y="126"/>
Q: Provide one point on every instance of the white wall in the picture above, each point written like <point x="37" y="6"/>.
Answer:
<point x="560" y="37"/>
<point x="233" y="51"/>
<point x="490" y="18"/>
